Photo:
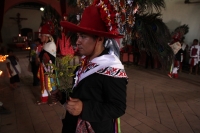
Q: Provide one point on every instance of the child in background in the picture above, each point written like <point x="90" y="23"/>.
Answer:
<point x="13" y="68"/>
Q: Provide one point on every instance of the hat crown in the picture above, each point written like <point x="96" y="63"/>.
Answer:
<point x="48" y="28"/>
<point x="96" y="20"/>
<point x="91" y="19"/>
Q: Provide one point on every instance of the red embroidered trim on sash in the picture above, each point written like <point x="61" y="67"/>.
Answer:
<point x="114" y="72"/>
<point x="84" y="127"/>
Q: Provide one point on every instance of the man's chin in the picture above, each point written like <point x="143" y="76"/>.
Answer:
<point x="81" y="53"/>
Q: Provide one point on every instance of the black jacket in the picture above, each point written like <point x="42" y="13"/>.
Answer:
<point x="104" y="99"/>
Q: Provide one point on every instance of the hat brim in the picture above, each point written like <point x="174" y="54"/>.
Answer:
<point x="75" y="28"/>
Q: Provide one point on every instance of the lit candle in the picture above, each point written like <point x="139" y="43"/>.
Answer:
<point x="1" y="72"/>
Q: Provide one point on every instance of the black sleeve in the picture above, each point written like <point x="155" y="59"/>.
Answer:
<point x="41" y="55"/>
<point x="52" y="58"/>
<point x="113" y="105"/>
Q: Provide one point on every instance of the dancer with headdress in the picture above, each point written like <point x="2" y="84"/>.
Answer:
<point x="47" y="55"/>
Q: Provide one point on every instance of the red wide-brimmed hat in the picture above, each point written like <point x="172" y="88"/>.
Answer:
<point x="93" y="24"/>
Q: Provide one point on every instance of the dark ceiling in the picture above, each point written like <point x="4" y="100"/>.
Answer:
<point x="192" y="1"/>
<point x="29" y="5"/>
<point x="36" y="6"/>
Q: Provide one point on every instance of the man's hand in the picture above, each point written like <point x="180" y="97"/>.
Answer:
<point x="74" y="106"/>
<point x="56" y="95"/>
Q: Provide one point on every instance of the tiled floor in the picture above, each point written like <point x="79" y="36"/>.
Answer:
<point x="155" y="104"/>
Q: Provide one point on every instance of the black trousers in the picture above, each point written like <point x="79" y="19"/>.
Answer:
<point x="14" y="79"/>
<point x="35" y="68"/>
<point x="136" y="58"/>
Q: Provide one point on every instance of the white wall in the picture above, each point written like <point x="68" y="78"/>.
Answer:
<point x="10" y="28"/>
<point x="178" y="13"/>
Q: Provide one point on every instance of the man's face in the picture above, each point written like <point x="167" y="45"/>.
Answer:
<point x="43" y="38"/>
<point x="85" y="43"/>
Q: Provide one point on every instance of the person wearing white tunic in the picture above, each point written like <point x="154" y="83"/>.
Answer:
<point x="13" y="68"/>
<point x="194" y="56"/>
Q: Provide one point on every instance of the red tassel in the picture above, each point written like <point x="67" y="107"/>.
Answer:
<point x="176" y="75"/>
<point x="44" y="99"/>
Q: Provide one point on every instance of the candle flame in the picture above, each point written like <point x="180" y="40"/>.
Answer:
<point x="3" y="58"/>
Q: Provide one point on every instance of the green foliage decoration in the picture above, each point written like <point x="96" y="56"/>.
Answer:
<point x="63" y="73"/>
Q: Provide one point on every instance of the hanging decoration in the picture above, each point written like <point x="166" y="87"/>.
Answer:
<point x="82" y="4"/>
<point x="51" y="15"/>
<point x="117" y="11"/>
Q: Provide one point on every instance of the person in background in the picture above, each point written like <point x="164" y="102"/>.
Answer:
<point x="98" y="95"/>
<point x="198" y="65"/>
<point x="136" y="53"/>
<point x="47" y="55"/>
<point x="35" y="50"/>
<point x="14" y="69"/>
<point x="185" y="62"/>
<point x="177" y="61"/>
<point x="194" y="55"/>
<point x="149" y="57"/>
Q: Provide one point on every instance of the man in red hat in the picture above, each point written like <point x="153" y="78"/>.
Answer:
<point x="98" y="95"/>
<point x="47" y="55"/>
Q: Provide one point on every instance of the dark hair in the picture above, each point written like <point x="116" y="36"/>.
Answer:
<point x="95" y="37"/>
<point x="9" y="50"/>
<point x="37" y="40"/>
<point x="105" y="39"/>
<point x="196" y="40"/>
